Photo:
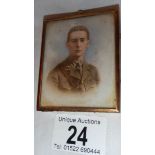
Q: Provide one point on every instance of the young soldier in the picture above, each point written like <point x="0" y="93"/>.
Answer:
<point x="74" y="74"/>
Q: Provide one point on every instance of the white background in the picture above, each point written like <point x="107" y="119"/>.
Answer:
<point x="95" y="132"/>
<point x="17" y="81"/>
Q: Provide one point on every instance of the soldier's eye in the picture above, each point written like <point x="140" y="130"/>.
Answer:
<point x="82" y="39"/>
<point x="74" y="40"/>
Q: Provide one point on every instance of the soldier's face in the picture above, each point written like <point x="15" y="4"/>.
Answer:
<point x="77" y="43"/>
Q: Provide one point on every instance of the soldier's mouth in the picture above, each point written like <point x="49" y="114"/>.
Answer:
<point x="77" y="50"/>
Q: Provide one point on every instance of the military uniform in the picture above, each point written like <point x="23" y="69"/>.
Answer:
<point x="72" y="76"/>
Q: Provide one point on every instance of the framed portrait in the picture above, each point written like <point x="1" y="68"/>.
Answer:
<point x="80" y="61"/>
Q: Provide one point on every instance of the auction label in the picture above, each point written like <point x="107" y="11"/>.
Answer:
<point x="80" y="134"/>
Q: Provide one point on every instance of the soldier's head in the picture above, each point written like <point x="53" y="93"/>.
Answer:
<point x="77" y="41"/>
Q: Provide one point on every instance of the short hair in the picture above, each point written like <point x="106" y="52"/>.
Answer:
<point x="78" y="28"/>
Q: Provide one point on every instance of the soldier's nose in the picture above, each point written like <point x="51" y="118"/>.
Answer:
<point x="78" y="43"/>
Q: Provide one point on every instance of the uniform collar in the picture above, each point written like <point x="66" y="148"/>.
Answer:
<point x="70" y="69"/>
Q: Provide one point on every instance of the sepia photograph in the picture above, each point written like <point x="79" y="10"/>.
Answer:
<point x="80" y="61"/>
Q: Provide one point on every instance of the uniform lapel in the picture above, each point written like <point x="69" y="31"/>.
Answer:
<point x="71" y="73"/>
<point x="76" y="74"/>
<point x="85" y="71"/>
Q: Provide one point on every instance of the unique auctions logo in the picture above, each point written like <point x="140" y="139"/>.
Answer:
<point x="79" y="120"/>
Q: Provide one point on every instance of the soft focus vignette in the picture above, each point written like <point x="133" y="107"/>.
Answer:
<point x="101" y="53"/>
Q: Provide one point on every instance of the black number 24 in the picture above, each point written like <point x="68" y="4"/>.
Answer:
<point x="81" y="137"/>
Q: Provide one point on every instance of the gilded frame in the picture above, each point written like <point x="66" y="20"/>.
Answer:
<point x="114" y="11"/>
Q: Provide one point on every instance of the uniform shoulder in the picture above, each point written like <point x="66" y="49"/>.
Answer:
<point x="58" y="66"/>
<point x="54" y="74"/>
<point x="94" y="72"/>
<point x="92" y="67"/>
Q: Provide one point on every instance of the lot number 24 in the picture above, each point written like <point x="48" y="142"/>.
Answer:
<point x="81" y="137"/>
